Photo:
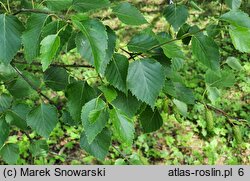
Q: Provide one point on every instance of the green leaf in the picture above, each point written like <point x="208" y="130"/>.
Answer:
<point x="171" y="49"/>
<point x="58" y="5"/>
<point x="129" y="14"/>
<point x="5" y="102"/>
<point x="145" y="80"/>
<point x="88" y="5"/>
<point x="71" y="44"/>
<point x="7" y="73"/>
<point x="56" y="78"/>
<point x="92" y="44"/>
<point x="67" y="119"/>
<point x="234" y="63"/>
<point x="213" y="94"/>
<point x="177" y="64"/>
<point x="49" y="47"/>
<point x="93" y="127"/>
<point x="78" y="93"/>
<point x="128" y="104"/>
<point x="116" y="72"/>
<point x="150" y="120"/>
<point x="206" y="51"/>
<point x="237" y="18"/>
<point x="5" y="130"/>
<point x="181" y="106"/>
<point x="213" y="30"/>
<point x="93" y="115"/>
<point x="109" y="92"/>
<point x="110" y="50"/>
<point x="179" y="91"/>
<point x="240" y="38"/>
<point x="58" y="27"/>
<point x="183" y="31"/>
<point x="10" y="37"/>
<point x="19" y="88"/>
<point x="17" y="115"/>
<point x="99" y="147"/>
<point x="43" y="119"/>
<point x="143" y="41"/>
<point x="10" y="153"/>
<point x="225" y="79"/>
<point x="32" y="36"/>
<point x="39" y="148"/>
<point x="233" y="4"/>
<point x="123" y="126"/>
<point x="176" y="15"/>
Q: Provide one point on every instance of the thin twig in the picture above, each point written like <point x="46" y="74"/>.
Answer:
<point x="220" y="111"/>
<point x="38" y="11"/>
<point x="176" y="39"/>
<point x="123" y="155"/>
<point x="31" y="84"/>
<point x="56" y="64"/>
<point x="132" y="56"/>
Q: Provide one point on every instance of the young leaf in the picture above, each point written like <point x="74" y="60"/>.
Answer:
<point x="145" y="80"/>
<point x="78" y="93"/>
<point x="123" y="126"/>
<point x="43" y="119"/>
<point x="109" y="92"/>
<point x="10" y="153"/>
<point x="234" y="63"/>
<point x="94" y="115"/>
<point x="5" y="130"/>
<point x="176" y="15"/>
<point x="94" y="124"/>
<point x="92" y="44"/>
<point x="233" y="4"/>
<point x="56" y="78"/>
<point x="10" y="37"/>
<point x="129" y="14"/>
<point x="128" y="104"/>
<point x="5" y="102"/>
<point x="64" y="31"/>
<point x="224" y="79"/>
<point x="206" y="51"/>
<point x="88" y="5"/>
<point x="213" y="94"/>
<point x="100" y="146"/>
<point x="237" y="18"/>
<point x="181" y="106"/>
<point x="116" y="72"/>
<point x="240" y="38"/>
<point x="49" y="47"/>
<point x="32" y="36"/>
<point x="39" y="148"/>
<point x="150" y="120"/>
<point x="58" y="5"/>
